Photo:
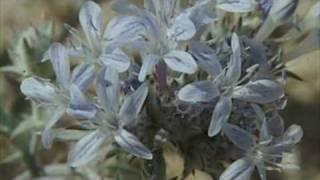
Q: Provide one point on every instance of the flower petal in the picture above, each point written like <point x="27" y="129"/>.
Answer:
<point x="181" y="61"/>
<point x="202" y="91"/>
<point x="260" y="91"/>
<point x="237" y="6"/>
<point x="182" y="28"/>
<point x="79" y="106"/>
<point x="124" y="7"/>
<point x="241" y="169"/>
<point x="117" y="60"/>
<point x="90" y="17"/>
<point x="220" y="115"/>
<point x="234" y="67"/>
<point x="124" y="28"/>
<point x="206" y="58"/>
<point x="132" y="105"/>
<point x="282" y="10"/>
<point x="276" y="125"/>
<point x="108" y="88"/>
<point x="202" y="13"/>
<point x="38" y="90"/>
<point x="83" y="76"/>
<point x="239" y="137"/>
<point x="131" y="144"/>
<point x="47" y="137"/>
<point x="292" y="135"/>
<point x="61" y="66"/>
<point x="86" y="149"/>
<point x="149" y="61"/>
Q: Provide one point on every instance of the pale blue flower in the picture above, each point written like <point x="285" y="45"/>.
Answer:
<point x="226" y="86"/>
<point x="103" y="45"/>
<point x="165" y="28"/>
<point x="113" y="115"/>
<point x="64" y="96"/>
<point x="268" y="153"/>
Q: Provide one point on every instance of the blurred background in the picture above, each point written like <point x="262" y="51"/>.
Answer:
<point x="26" y="29"/>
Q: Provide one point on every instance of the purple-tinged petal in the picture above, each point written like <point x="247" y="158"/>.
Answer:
<point x="83" y="76"/>
<point x="202" y="91"/>
<point x="220" y="115"/>
<point x="108" y="89"/>
<point x="60" y="62"/>
<point x="182" y="28"/>
<point x="117" y="60"/>
<point x="131" y="144"/>
<point x="292" y="135"/>
<point x="86" y="149"/>
<point x="260" y="91"/>
<point x="149" y="62"/>
<point x="132" y="105"/>
<point x="47" y="137"/>
<point x="90" y="17"/>
<point x="202" y="13"/>
<point x="239" y="137"/>
<point x="282" y="10"/>
<point x="38" y="90"/>
<point x="79" y="106"/>
<point x="181" y="61"/>
<point x="234" y="67"/>
<point x="241" y="169"/>
<point x="206" y="58"/>
<point x="276" y="124"/>
<point x="124" y="7"/>
<point x="124" y="28"/>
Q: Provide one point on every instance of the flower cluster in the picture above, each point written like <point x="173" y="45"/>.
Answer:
<point x="173" y="73"/>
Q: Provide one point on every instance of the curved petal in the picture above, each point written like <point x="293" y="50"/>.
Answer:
<point x="282" y="10"/>
<point x="260" y="91"/>
<point x="131" y="144"/>
<point x="38" y="90"/>
<point x="117" y="60"/>
<point x="276" y="125"/>
<point x="239" y="137"/>
<point x="206" y="58"/>
<point x="182" y="28"/>
<point x="220" y="115"/>
<point x="132" y="105"/>
<point x="124" y="28"/>
<point x="79" y="106"/>
<point x="90" y="17"/>
<point x="237" y="6"/>
<point x="86" y="149"/>
<point x="149" y="61"/>
<point x="181" y="61"/>
<point x="292" y="135"/>
<point x="83" y="76"/>
<point x="108" y="88"/>
<point x="60" y="62"/>
<point x="202" y="91"/>
<point x="234" y="67"/>
<point x="124" y="7"/>
<point x="202" y="13"/>
<point x="47" y="137"/>
<point x="241" y="169"/>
